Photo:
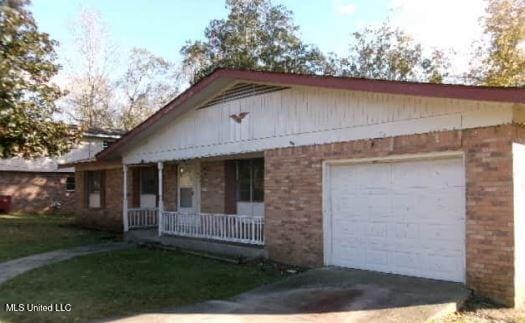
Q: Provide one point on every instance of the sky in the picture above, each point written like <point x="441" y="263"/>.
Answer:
<point x="163" y="26"/>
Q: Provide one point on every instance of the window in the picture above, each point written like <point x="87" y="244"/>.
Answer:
<point x="94" y="182"/>
<point x="106" y="143"/>
<point x="186" y="197"/>
<point x="148" y="180"/>
<point x="70" y="183"/>
<point x="94" y="189"/>
<point x="250" y="180"/>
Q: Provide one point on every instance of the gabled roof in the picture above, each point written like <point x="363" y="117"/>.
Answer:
<point x="212" y="85"/>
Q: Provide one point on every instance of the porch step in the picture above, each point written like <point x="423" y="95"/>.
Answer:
<point x="232" y="252"/>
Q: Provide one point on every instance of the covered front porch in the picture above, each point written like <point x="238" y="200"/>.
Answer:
<point x="208" y="200"/>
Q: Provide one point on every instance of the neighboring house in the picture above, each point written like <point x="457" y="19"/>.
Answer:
<point x="416" y="179"/>
<point x="40" y="185"/>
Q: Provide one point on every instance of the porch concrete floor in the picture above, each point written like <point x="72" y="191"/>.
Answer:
<point x="227" y="249"/>
<point x="327" y="295"/>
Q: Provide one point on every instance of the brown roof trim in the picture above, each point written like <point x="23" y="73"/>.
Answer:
<point x="96" y="165"/>
<point x="77" y="162"/>
<point x="479" y="93"/>
<point x="86" y="162"/>
<point x="453" y="91"/>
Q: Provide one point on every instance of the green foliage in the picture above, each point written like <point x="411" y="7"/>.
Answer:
<point x="27" y="98"/>
<point x="501" y="56"/>
<point x="256" y="35"/>
<point x="390" y="54"/>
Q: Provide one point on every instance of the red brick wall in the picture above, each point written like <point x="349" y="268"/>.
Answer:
<point x="490" y="212"/>
<point x="33" y="192"/>
<point x="293" y="199"/>
<point x="109" y="217"/>
<point x="212" y="187"/>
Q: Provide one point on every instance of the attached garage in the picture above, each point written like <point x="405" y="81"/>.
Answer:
<point x="402" y="215"/>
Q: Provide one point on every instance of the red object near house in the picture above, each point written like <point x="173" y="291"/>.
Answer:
<point x="5" y="203"/>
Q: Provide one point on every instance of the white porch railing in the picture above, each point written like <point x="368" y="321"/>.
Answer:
<point x="143" y="218"/>
<point x="223" y="227"/>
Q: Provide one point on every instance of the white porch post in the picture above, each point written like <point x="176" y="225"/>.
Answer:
<point x="125" y="199"/>
<point x="160" y="166"/>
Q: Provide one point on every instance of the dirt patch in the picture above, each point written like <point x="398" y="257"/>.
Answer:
<point x="480" y="310"/>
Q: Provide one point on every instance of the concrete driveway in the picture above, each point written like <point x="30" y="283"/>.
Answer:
<point x="327" y="295"/>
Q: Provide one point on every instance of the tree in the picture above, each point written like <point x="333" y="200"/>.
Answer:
<point x="499" y="59"/>
<point x="27" y="97"/>
<point x="148" y="83"/>
<point x="89" y="101"/>
<point x="256" y="35"/>
<point x="389" y="53"/>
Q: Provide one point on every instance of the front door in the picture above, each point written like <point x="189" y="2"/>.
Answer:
<point x="188" y="188"/>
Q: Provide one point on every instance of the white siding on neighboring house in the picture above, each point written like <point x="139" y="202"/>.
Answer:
<point x="19" y="164"/>
<point x="304" y="116"/>
<point x="86" y="149"/>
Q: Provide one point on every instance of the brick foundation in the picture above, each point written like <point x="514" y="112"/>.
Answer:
<point x="33" y="192"/>
<point x="293" y="199"/>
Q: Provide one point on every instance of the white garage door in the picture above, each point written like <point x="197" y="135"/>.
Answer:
<point x="403" y="217"/>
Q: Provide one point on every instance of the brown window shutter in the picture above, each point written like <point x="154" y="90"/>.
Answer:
<point x="156" y="172"/>
<point x="230" y="189"/>
<point x="85" y="185"/>
<point x="102" y="189"/>
<point x="135" y="187"/>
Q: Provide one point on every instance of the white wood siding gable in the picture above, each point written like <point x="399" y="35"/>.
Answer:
<point x="305" y="116"/>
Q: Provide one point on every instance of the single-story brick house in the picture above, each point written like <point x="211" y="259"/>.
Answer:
<point x="40" y="185"/>
<point x="416" y="179"/>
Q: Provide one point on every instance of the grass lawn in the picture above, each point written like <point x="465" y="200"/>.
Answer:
<point x="23" y="235"/>
<point x="127" y="282"/>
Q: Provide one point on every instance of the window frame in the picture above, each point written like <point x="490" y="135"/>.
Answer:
<point x="155" y="181"/>
<point x="68" y="189"/>
<point x="90" y="183"/>
<point x="89" y="188"/>
<point x="107" y="143"/>
<point x="253" y="164"/>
